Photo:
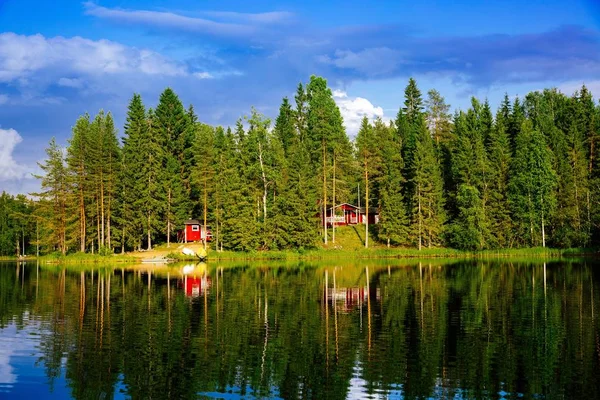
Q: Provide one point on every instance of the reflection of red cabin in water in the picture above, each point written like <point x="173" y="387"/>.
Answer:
<point x="195" y="287"/>
<point x="193" y="231"/>
<point x="347" y="214"/>
<point x="352" y="297"/>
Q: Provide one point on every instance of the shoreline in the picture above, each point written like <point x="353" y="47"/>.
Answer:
<point x="314" y="255"/>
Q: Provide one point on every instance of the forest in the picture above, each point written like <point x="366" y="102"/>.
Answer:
<point x="526" y="176"/>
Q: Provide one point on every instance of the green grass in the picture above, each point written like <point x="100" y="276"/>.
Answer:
<point x="85" y="258"/>
<point x="349" y="244"/>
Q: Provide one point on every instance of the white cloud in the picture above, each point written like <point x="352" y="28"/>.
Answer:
<point x="203" y="75"/>
<point x="225" y="24"/>
<point x="71" y="82"/>
<point x="377" y="61"/>
<point x="354" y="109"/>
<point x="21" y="57"/>
<point x="9" y="168"/>
<point x="168" y="20"/>
<point x="569" y="88"/>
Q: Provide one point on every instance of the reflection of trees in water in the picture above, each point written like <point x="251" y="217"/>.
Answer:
<point x="423" y="329"/>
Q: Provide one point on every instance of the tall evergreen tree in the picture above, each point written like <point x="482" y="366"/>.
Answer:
<point x="393" y="222"/>
<point x="52" y="200"/>
<point x="172" y="126"/>
<point x="77" y="154"/>
<point x="132" y="180"/>
<point x="471" y="173"/>
<point x="428" y="215"/>
<point x="499" y="154"/>
<point x="150" y="189"/>
<point x="325" y="134"/>
<point x="285" y="125"/>
<point x="532" y="184"/>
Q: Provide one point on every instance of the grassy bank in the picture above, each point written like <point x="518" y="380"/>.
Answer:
<point x="349" y="244"/>
<point x="319" y="254"/>
<point x="85" y="258"/>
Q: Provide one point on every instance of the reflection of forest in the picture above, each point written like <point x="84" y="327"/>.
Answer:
<point x="465" y="329"/>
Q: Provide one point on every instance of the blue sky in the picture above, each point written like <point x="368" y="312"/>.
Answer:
<point x="62" y="58"/>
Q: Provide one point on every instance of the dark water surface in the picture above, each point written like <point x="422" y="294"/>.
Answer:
<point x="382" y="330"/>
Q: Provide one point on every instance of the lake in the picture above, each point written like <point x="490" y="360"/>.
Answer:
<point x="399" y="329"/>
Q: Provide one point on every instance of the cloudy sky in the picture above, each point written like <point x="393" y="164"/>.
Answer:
<point x="59" y="59"/>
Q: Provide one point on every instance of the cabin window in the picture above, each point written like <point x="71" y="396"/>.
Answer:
<point x="195" y="228"/>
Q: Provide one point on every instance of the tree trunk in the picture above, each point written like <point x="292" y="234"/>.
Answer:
<point x="324" y="195"/>
<point x="149" y="234"/>
<point x="169" y="218"/>
<point x="205" y="211"/>
<point x="265" y="185"/>
<point x="82" y="219"/>
<point x="108" y="212"/>
<point x="333" y="201"/>
<point x="366" y="206"/>
<point x="102" y="208"/>
<point x="543" y="228"/>
<point x="420" y="217"/>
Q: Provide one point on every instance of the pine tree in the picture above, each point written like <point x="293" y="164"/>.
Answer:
<point x="499" y="154"/>
<point x="112" y="162"/>
<point x="370" y="158"/>
<point x="428" y="215"/>
<point x="172" y="126"/>
<point x="131" y="218"/>
<point x="301" y="112"/>
<point x="150" y="190"/>
<point x="294" y="223"/>
<point x="438" y="117"/>
<point x="239" y="227"/>
<point x="325" y="134"/>
<point x="203" y="175"/>
<point x="531" y="186"/>
<point x="393" y="222"/>
<point x="469" y="230"/>
<point x="52" y="200"/>
<point x="76" y="159"/>
<point x="471" y="175"/>
<point x="285" y="125"/>
<point x="410" y="122"/>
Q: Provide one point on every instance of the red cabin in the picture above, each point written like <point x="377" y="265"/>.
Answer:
<point x="347" y="214"/>
<point x="193" y="231"/>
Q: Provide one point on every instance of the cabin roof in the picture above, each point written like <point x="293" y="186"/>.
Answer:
<point x="372" y="210"/>
<point x="345" y="204"/>
<point x="192" y="222"/>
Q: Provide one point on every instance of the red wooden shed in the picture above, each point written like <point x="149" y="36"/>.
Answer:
<point x="194" y="232"/>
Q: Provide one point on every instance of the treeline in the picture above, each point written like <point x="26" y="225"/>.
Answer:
<point x="528" y="176"/>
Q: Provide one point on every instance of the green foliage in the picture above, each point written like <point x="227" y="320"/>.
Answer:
<point x="528" y="177"/>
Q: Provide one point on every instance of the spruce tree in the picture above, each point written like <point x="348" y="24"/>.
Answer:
<point x="150" y="190"/>
<point x="325" y="135"/>
<point x="52" y="200"/>
<point x="172" y="126"/>
<point x="428" y="214"/>
<point x="131" y="218"/>
<point x="285" y="125"/>
<point x="239" y="227"/>
<point x="471" y="175"/>
<point x="531" y="186"/>
<point x="499" y="154"/>
<point x="393" y="222"/>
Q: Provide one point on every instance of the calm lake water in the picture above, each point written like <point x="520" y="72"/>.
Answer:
<point x="393" y="329"/>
